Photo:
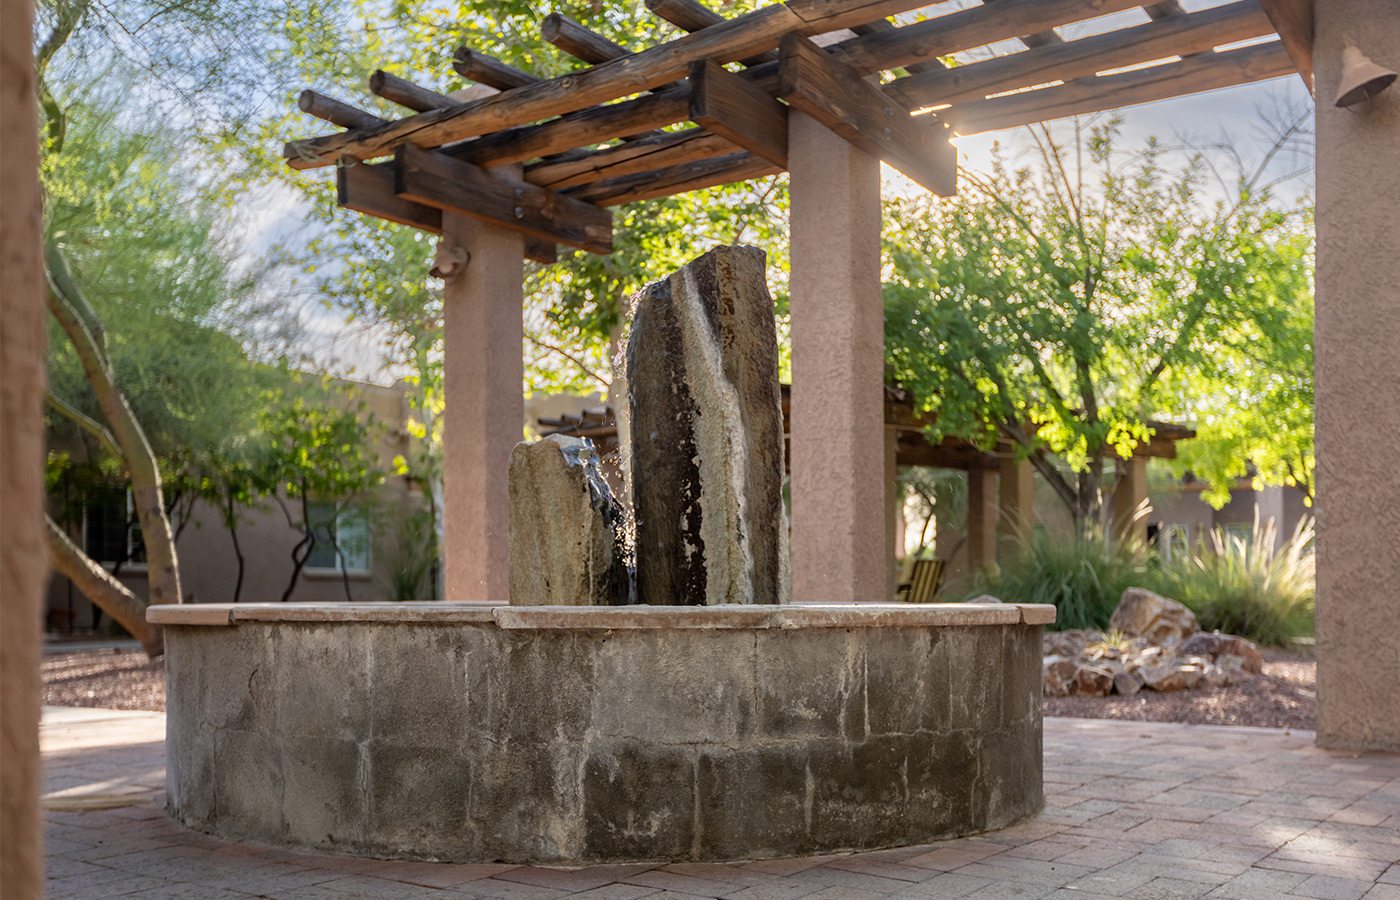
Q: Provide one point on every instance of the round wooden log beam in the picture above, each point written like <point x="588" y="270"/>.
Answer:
<point x="406" y="93"/>
<point x="335" y="112"/>
<point x="487" y="70"/>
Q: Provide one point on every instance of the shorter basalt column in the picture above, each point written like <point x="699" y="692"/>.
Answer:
<point x="707" y="435"/>
<point x="566" y="529"/>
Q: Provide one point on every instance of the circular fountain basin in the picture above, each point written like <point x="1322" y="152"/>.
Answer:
<point x="575" y="735"/>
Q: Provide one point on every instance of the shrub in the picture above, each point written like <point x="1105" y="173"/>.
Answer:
<point x="1083" y="577"/>
<point x="1249" y="588"/>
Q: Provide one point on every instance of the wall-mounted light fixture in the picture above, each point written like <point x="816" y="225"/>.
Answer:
<point x="1361" y="78"/>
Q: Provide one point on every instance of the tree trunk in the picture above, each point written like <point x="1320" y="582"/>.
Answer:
<point x="105" y="592"/>
<point x="71" y="310"/>
<point x="237" y="550"/>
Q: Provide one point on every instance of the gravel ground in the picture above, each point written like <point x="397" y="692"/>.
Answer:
<point x="1283" y="697"/>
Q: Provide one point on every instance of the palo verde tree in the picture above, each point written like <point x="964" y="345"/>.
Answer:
<point x="1060" y="307"/>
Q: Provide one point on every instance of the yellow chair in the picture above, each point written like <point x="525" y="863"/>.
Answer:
<point x="924" y="582"/>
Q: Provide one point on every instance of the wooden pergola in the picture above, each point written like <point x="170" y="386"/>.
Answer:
<point x="593" y="139"/>
<point x="515" y="165"/>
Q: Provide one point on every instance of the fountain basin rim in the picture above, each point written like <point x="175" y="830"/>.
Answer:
<point x="605" y="618"/>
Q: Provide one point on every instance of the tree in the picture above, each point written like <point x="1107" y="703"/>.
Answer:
<point x="321" y="450"/>
<point x="1062" y="307"/>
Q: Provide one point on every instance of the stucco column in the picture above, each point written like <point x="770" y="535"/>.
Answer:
<point x="1358" y="387"/>
<point x="892" y="510"/>
<point x="24" y="563"/>
<point x="981" y="517"/>
<point x="837" y="422"/>
<point x="485" y="409"/>
<point x="1017" y="482"/>
<point x="1129" y="493"/>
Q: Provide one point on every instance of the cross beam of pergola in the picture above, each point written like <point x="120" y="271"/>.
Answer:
<point x="591" y="139"/>
<point x="822" y="89"/>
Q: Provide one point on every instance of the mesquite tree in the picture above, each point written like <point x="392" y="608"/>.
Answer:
<point x="1060" y="307"/>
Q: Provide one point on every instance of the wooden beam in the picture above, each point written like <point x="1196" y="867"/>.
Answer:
<point x="477" y="66"/>
<point x="729" y="40"/>
<point x="931" y="65"/>
<point x="975" y="27"/>
<point x="434" y="179"/>
<point x="588" y="126"/>
<point x="672" y="180"/>
<point x="667" y="149"/>
<point x="815" y="83"/>
<point x="1204" y="72"/>
<point x="369" y="189"/>
<point x="1178" y="35"/>
<point x="731" y="107"/>
<point x="577" y="41"/>
<point x="691" y="15"/>
<point x="335" y="112"/>
<point x="1293" y="20"/>
<point x="406" y="93"/>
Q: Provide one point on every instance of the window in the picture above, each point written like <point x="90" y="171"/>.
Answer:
<point x="339" y="528"/>
<point x="1175" y="542"/>
<point x="111" y="532"/>
<point x="1239" y="534"/>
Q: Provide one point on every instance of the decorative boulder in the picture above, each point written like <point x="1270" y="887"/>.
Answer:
<point x="1057" y="673"/>
<point x="707" y="435"/>
<point x="1173" y="675"/>
<point x="566" y="544"/>
<point x="1141" y="613"/>
<point x="1127" y="683"/>
<point x="1216" y="645"/>
<point x="1091" y="681"/>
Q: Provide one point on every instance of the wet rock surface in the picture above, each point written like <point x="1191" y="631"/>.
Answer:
<point x="707" y="435"/>
<point x="566" y="528"/>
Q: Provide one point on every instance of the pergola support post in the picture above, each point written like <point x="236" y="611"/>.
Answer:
<point x="1358" y="383"/>
<point x="1017" y="483"/>
<point x="837" y="422"/>
<point x="485" y="409"/>
<point x="1129" y="493"/>
<point x="981" y="517"/>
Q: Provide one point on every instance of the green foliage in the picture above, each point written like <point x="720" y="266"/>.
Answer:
<point x="1253" y="406"/>
<point x="1083" y="576"/>
<point x="1062" y="307"/>
<point x="1249" y="588"/>
<point x="409" y="562"/>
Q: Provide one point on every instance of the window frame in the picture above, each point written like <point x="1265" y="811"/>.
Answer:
<point x="342" y="559"/>
<point x="135" y="538"/>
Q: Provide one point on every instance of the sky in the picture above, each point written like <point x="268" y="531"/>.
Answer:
<point x="1239" y="116"/>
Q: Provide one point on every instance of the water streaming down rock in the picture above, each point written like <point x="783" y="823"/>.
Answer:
<point x="567" y="543"/>
<point x="707" y="436"/>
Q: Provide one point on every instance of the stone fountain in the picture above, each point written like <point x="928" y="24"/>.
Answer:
<point x="713" y="720"/>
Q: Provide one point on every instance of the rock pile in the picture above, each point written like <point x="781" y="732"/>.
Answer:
<point x="1153" y="642"/>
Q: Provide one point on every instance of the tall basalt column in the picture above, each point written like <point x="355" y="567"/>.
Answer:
<point x="707" y="435"/>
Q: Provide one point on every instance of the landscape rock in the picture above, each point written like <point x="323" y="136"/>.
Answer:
<point x="985" y="598"/>
<point x="1141" y="613"/>
<point x="1127" y="683"/>
<point x="565" y="527"/>
<point x="1091" y="681"/>
<point x="1216" y="645"/>
<point x="1057" y="673"/>
<point x="1173" y="675"/>
<point x="706" y="427"/>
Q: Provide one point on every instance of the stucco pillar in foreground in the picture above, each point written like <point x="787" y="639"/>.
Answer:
<point x="1129" y="494"/>
<point x="1357" y="345"/>
<point x="981" y="517"/>
<point x="23" y="559"/>
<point x="893" y="511"/>
<point x="837" y="423"/>
<point x="485" y="410"/>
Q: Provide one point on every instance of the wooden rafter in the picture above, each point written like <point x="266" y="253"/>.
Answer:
<point x="1175" y="36"/>
<point x="1203" y="72"/>
<point x="733" y="108"/>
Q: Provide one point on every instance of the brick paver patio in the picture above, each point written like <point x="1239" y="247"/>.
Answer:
<point x="1137" y="810"/>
